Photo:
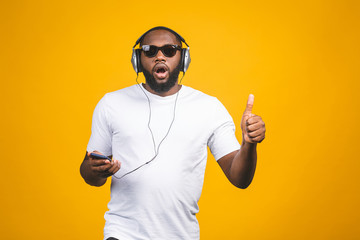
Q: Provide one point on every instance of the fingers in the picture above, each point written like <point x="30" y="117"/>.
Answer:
<point x="253" y="119"/>
<point x="98" y="162"/>
<point x="256" y="133"/>
<point x="255" y="126"/>
<point x="115" y="167"/>
<point x="257" y="139"/>
<point x="254" y="129"/>
<point x="102" y="167"/>
<point x="108" y="168"/>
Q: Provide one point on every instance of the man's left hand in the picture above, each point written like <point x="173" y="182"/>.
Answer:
<point x="252" y="126"/>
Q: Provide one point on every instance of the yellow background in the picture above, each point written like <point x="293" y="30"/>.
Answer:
<point x="299" y="58"/>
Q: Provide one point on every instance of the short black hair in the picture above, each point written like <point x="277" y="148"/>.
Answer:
<point x="178" y="38"/>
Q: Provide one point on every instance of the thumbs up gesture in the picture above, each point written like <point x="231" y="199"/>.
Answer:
<point x="252" y="126"/>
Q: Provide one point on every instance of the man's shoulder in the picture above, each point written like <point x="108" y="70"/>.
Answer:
<point x="199" y="95"/>
<point x="199" y="99"/>
<point x="124" y="95"/>
<point x="123" y="91"/>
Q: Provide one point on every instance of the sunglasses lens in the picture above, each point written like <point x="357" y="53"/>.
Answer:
<point x="169" y="50"/>
<point x="151" y="51"/>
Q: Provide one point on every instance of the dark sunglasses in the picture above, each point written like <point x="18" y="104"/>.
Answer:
<point x="168" y="50"/>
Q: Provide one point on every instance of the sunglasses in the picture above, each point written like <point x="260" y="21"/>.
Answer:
<point x="168" y="50"/>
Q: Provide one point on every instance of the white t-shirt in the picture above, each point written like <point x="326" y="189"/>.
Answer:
<point x="159" y="200"/>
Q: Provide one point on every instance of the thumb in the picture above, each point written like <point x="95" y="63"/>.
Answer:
<point x="250" y="104"/>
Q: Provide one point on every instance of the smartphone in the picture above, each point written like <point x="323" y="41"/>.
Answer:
<point x="99" y="156"/>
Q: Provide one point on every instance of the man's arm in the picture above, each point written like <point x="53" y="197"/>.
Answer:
<point x="239" y="166"/>
<point x="96" y="171"/>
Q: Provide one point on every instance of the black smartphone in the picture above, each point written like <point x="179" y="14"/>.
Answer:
<point x="99" y="156"/>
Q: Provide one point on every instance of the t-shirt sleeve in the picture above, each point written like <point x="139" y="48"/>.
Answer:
<point x="101" y="134"/>
<point x="222" y="140"/>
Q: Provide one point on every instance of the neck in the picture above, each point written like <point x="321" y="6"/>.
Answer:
<point x="172" y="90"/>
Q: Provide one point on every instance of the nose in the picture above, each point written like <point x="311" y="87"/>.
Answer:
<point x="160" y="57"/>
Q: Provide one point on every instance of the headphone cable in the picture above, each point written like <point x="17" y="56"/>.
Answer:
<point x="152" y="135"/>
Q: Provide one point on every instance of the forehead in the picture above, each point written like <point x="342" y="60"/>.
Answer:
<point x="160" y="37"/>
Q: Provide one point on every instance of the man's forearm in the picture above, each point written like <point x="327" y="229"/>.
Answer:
<point x="243" y="165"/>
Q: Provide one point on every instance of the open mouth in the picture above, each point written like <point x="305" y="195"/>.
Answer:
<point x="160" y="71"/>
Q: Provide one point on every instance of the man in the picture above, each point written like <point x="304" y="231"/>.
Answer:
<point x="159" y="132"/>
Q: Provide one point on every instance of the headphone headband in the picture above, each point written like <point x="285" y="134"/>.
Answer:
<point x="160" y="28"/>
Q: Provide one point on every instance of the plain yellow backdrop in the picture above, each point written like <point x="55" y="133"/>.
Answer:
<point x="299" y="58"/>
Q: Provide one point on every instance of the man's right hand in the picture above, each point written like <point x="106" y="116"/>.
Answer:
<point x="103" y="167"/>
<point x="96" y="171"/>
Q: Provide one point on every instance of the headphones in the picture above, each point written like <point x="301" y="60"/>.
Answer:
<point x="185" y="52"/>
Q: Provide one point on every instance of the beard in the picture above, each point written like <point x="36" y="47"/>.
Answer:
<point x="162" y="87"/>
